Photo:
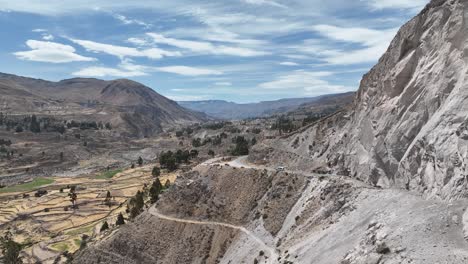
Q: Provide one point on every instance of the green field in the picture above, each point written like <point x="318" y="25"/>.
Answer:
<point x="61" y="246"/>
<point x="29" y="186"/>
<point x="108" y="174"/>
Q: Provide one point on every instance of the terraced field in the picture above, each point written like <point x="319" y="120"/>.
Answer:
<point x="49" y="224"/>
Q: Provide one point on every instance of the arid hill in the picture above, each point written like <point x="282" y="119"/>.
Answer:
<point x="229" y="110"/>
<point x="129" y="106"/>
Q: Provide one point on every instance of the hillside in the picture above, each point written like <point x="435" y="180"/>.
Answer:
<point x="129" y="106"/>
<point x="382" y="182"/>
<point x="408" y="124"/>
<point x="229" y="110"/>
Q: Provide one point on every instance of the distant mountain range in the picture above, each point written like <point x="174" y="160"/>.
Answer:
<point x="129" y="106"/>
<point x="229" y="110"/>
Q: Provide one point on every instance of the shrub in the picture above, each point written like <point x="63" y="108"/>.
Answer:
<point x="156" y="172"/>
<point x="211" y="153"/>
<point x="196" y="143"/>
<point x="10" y="249"/>
<point x="242" y="146"/>
<point x="104" y="226"/>
<point x="120" y="220"/>
<point x="136" y="204"/>
<point x="155" y="190"/>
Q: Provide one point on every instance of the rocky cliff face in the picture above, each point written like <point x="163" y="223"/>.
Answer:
<point x="408" y="126"/>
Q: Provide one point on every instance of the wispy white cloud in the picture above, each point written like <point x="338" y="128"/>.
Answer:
<point x="311" y="83"/>
<point x="180" y="98"/>
<point x="45" y="51"/>
<point x="373" y="43"/>
<point x="129" y="21"/>
<point x="127" y="68"/>
<point x="264" y="2"/>
<point x="288" y="63"/>
<point x="122" y="52"/>
<point x="206" y="47"/>
<point x="138" y="41"/>
<point x="106" y="71"/>
<point x="47" y="37"/>
<point x="223" y="84"/>
<point x="397" y="4"/>
<point x="365" y="36"/>
<point x="188" y="71"/>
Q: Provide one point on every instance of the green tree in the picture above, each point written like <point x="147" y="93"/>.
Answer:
<point x="61" y="129"/>
<point x="156" y="172"/>
<point x="104" y="226"/>
<point x="254" y="141"/>
<point x="167" y="184"/>
<point x="10" y="249"/>
<point x="182" y="156"/>
<point x="84" y="241"/>
<point x="194" y="153"/>
<point x="136" y="205"/>
<point x="140" y="161"/>
<point x="19" y="129"/>
<point x="196" y="143"/>
<point x="73" y="196"/>
<point x="108" y="200"/>
<point x="242" y="146"/>
<point x="211" y="153"/>
<point x="120" y="220"/>
<point x="168" y="160"/>
<point x="155" y="190"/>
<point x="35" y="125"/>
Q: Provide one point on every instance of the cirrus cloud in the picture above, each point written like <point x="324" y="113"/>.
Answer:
<point x="106" y="71"/>
<point x="206" y="47"/>
<point x="122" y="52"/>
<point x="46" y="51"/>
<point x="311" y="83"/>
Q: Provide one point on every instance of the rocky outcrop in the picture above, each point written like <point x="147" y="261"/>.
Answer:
<point x="408" y="124"/>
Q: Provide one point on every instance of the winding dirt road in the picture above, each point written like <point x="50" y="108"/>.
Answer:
<point x="273" y="255"/>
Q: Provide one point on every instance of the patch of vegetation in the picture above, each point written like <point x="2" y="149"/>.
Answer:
<point x="120" y="220"/>
<point x="155" y="190"/>
<point x="60" y="246"/>
<point x="10" y="249"/>
<point x="156" y="172"/>
<point x="170" y="160"/>
<point x="29" y="186"/>
<point x="81" y="230"/>
<point x="135" y="206"/>
<point x="77" y="242"/>
<point x="241" y="148"/>
<point x="108" y="174"/>
<point x="284" y="125"/>
<point x="104" y="226"/>
<point x="216" y="125"/>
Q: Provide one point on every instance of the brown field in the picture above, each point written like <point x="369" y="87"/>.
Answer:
<point x="49" y="229"/>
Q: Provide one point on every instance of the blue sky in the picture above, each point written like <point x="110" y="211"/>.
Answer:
<point x="236" y="50"/>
